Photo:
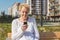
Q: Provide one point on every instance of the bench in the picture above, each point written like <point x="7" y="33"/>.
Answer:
<point x="49" y="35"/>
<point x="46" y="35"/>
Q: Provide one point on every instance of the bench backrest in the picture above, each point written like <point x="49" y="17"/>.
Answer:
<point x="45" y="35"/>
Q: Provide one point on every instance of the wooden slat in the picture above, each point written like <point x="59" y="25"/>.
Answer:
<point x="50" y="34"/>
<point x="44" y="35"/>
<point x="9" y="35"/>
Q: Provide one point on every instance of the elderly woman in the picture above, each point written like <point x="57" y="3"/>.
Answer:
<point x="24" y="27"/>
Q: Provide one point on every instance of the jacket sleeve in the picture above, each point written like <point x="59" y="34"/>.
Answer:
<point x="16" y="33"/>
<point x="36" y="33"/>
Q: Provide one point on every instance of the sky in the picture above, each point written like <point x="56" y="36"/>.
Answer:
<point x="4" y="4"/>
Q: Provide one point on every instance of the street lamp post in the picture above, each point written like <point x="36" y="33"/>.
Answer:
<point x="41" y="13"/>
<point x="54" y="10"/>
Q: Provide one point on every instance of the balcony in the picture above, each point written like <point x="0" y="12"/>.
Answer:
<point x="58" y="9"/>
<point x="57" y="5"/>
<point x="51" y="10"/>
<point x="58" y="15"/>
<point x="54" y="5"/>
<point x="51" y="0"/>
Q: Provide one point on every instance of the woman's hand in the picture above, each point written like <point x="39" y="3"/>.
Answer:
<point x="24" y="27"/>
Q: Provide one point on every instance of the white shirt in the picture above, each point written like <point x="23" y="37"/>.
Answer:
<point x="31" y="33"/>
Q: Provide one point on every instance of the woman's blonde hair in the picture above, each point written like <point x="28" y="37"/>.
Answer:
<point x="24" y="5"/>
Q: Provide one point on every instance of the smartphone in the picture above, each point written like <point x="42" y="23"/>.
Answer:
<point x="25" y="23"/>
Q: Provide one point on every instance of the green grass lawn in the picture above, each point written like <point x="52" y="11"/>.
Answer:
<point x="49" y="29"/>
<point x="6" y="27"/>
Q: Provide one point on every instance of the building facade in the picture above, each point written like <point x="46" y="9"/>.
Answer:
<point x="50" y="9"/>
<point x="9" y="11"/>
<point x="38" y="7"/>
<point x="54" y="10"/>
<point x="13" y="10"/>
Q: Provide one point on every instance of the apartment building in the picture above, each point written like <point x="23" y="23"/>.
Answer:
<point x="13" y="10"/>
<point x="38" y="7"/>
<point x="54" y="10"/>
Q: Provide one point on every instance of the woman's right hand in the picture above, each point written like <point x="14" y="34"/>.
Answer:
<point x="24" y="27"/>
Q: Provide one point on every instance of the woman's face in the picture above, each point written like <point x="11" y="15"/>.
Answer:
<point x="24" y="13"/>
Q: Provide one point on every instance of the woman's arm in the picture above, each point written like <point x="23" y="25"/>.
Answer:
<point x="16" y="33"/>
<point x="36" y="33"/>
